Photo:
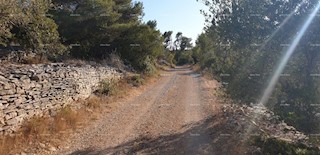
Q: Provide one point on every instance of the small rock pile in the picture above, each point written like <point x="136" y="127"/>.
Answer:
<point x="259" y="118"/>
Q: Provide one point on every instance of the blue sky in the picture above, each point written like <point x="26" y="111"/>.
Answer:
<point x="175" y="15"/>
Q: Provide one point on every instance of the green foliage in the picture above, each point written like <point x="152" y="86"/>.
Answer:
<point x="203" y="51"/>
<point x="183" y="48"/>
<point x="169" y="57"/>
<point x="149" y="66"/>
<point x="101" y="27"/>
<point x="152" y="24"/>
<point x="26" y="24"/>
<point x="88" y="27"/>
<point x="167" y="36"/>
<point x="235" y="51"/>
<point x="91" y="29"/>
<point x="94" y="23"/>
<point x="184" y="57"/>
<point x="272" y="146"/>
<point x="140" y="45"/>
<point x="6" y="21"/>
<point x="178" y="51"/>
<point x="107" y="87"/>
<point x="136" y="80"/>
<point x="182" y="43"/>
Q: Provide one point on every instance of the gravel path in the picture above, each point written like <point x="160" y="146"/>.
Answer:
<point x="170" y="117"/>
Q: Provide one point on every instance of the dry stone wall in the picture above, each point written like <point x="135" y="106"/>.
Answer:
<point x="26" y="91"/>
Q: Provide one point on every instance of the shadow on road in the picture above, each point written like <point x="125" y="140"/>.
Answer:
<point x="209" y="136"/>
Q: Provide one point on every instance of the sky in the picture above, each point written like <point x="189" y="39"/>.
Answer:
<point x="176" y="15"/>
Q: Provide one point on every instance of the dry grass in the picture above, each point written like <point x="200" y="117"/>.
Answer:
<point x="51" y="130"/>
<point x="196" y="68"/>
<point x="35" y="60"/>
<point x="42" y="129"/>
<point x="136" y="80"/>
<point x="94" y="102"/>
<point x="76" y="62"/>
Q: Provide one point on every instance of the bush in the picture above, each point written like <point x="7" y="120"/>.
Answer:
<point x="149" y="67"/>
<point x="136" y="80"/>
<point x="185" y="57"/>
<point x="107" y="87"/>
<point x="30" y="29"/>
<point x="145" y="50"/>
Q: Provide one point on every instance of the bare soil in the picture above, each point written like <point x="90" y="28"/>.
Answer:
<point x="177" y="114"/>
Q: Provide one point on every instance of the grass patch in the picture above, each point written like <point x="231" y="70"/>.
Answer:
<point x="42" y="129"/>
<point x="136" y="80"/>
<point x="67" y="119"/>
<point x="111" y="87"/>
<point x="93" y="102"/>
<point x="107" y="87"/>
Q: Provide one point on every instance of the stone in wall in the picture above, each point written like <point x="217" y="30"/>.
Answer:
<point x="29" y="90"/>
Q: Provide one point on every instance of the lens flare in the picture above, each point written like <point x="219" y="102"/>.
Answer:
<point x="284" y="22"/>
<point x="287" y="56"/>
<point x="283" y="62"/>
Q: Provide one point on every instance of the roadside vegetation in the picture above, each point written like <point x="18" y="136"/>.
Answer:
<point x="46" y="132"/>
<point x="83" y="30"/>
<point x="234" y="50"/>
<point x="271" y="146"/>
<point x="42" y="132"/>
<point x="80" y="32"/>
<point x="242" y="46"/>
<point x="238" y="48"/>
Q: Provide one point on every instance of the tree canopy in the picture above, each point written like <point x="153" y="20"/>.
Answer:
<point x="89" y="30"/>
<point x="25" y="23"/>
<point x="243" y="44"/>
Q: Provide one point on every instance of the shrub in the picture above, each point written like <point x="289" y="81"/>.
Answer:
<point x="149" y="67"/>
<point x="107" y="87"/>
<point x="136" y="80"/>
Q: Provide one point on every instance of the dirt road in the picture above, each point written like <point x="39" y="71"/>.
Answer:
<point x="176" y="115"/>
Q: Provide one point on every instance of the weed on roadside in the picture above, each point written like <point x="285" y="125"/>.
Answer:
<point x="136" y="80"/>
